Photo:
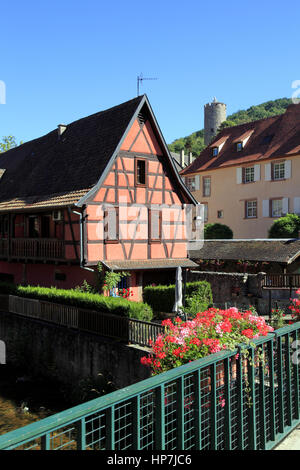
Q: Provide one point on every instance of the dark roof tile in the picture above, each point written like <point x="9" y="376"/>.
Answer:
<point x="281" y="251"/>
<point x="49" y="165"/>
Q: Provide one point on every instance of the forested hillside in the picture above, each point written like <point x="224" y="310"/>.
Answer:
<point x="195" y="142"/>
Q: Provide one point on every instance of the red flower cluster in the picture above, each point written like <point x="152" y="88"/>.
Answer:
<point x="125" y="293"/>
<point x="295" y="307"/>
<point x="211" y="331"/>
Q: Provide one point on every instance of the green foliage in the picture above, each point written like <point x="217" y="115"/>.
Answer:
<point x="77" y="298"/>
<point x="217" y="231"/>
<point x="199" y="297"/>
<point x="8" y="143"/>
<point x="277" y="318"/>
<point x="111" y="279"/>
<point x="195" y="142"/>
<point x="161" y="298"/>
<point x="105" y="281"/>
<point x="285" y="227"/>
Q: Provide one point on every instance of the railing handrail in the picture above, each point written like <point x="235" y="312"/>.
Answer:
<point x="278" y="280"/>
<point x="133" y="337"/>
<point x="79" y="412"/>
<point x="63" y="418"/>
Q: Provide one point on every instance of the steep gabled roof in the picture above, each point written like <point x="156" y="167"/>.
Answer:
<point x="51" y="171"/>
<point x="270" y="138"/>
<point x="48" y="166"/>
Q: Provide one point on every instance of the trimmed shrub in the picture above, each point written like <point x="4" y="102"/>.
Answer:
<point x="161" y="298"/>
<point x="76" y="298"/>
<point x="217" y="231"/>
<point x="285" y="227"/>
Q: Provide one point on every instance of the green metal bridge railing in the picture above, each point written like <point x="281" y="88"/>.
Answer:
<point x="222" y="401"/>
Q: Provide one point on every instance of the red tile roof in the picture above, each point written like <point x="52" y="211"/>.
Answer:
<point x="285" y="129"/>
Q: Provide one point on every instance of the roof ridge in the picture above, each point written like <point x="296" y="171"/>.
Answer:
<point x="277" y="116"/>
<point x="107" y="110"/>
<point x="28" y="142"/>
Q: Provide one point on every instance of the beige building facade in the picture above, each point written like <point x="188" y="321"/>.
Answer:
<point x="239" y="182"/>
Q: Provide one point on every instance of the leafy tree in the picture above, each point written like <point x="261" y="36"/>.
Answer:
<point x="217" y="231"/>
<point x="285" y="227"/>
<point x="8" y="143"/>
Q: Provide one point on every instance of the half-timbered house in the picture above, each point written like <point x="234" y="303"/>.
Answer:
<point x="101" y="189"/>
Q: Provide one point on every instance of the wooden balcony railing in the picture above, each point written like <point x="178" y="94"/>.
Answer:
<point x="32" y="248"/>
<point x="281" y="281"/>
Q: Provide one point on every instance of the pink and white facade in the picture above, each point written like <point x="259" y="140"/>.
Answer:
<point x="133" y="218"/>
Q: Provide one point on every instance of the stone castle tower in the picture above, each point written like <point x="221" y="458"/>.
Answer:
<point x="214" y="115"/>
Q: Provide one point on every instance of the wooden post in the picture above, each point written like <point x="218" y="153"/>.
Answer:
<point x="184" y="287"/>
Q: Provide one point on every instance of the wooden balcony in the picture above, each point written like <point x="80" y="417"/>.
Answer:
<point x="281" y="281"/>
<point x="33" y="249"/>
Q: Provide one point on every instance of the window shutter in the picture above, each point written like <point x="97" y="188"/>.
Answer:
<point x="287" y="169"/>
<point x="197" y="182"/>
<point x="285" y="205"/>
<point x="265" y="208"/>
<point x="297" y="205"/>
<point x="256" y="172"/>
<point x="239" y="175"/>
<point x="268" y="172"/>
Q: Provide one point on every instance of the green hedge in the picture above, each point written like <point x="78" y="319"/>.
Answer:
<point x="114" y="305"/>
<point x="161" y="298"/>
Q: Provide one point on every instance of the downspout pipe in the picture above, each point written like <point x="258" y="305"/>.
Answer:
<point x="81" y="242"/>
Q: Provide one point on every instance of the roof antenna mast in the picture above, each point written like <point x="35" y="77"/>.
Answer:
<point x="140" y="79"/>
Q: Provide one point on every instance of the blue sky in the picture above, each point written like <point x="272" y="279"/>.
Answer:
<point x="63" y="60"/>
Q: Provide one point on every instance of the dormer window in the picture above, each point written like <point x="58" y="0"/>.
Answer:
<point x="241" y="141"/>
<point x="217" y="146"/>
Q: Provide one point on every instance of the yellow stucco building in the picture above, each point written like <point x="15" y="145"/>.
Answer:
<point x="249" y="175"/>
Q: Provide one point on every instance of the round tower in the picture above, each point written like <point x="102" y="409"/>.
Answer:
<point x="214" y="115"/>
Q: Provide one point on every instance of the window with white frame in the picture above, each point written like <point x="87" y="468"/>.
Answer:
<point x="249" y="174"/>
<point x="190" y="183"/>
<point x="251" y="209"/>
<point x="206" y="186"/>
<point x="215" y="151"/>
<point x="279" y="171"/>
<point x="276" y="207"/>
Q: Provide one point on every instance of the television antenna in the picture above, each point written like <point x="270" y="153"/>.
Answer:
<point x="140" y="79"/>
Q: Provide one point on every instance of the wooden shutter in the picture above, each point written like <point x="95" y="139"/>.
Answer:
<point x="265" y="208"/>
<point x="287" y="169"/>
<point x="256" y="172"/>
<point x="297" y="205"/>
<point x="239" y="175"/>
<point x="268" y="173"/>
